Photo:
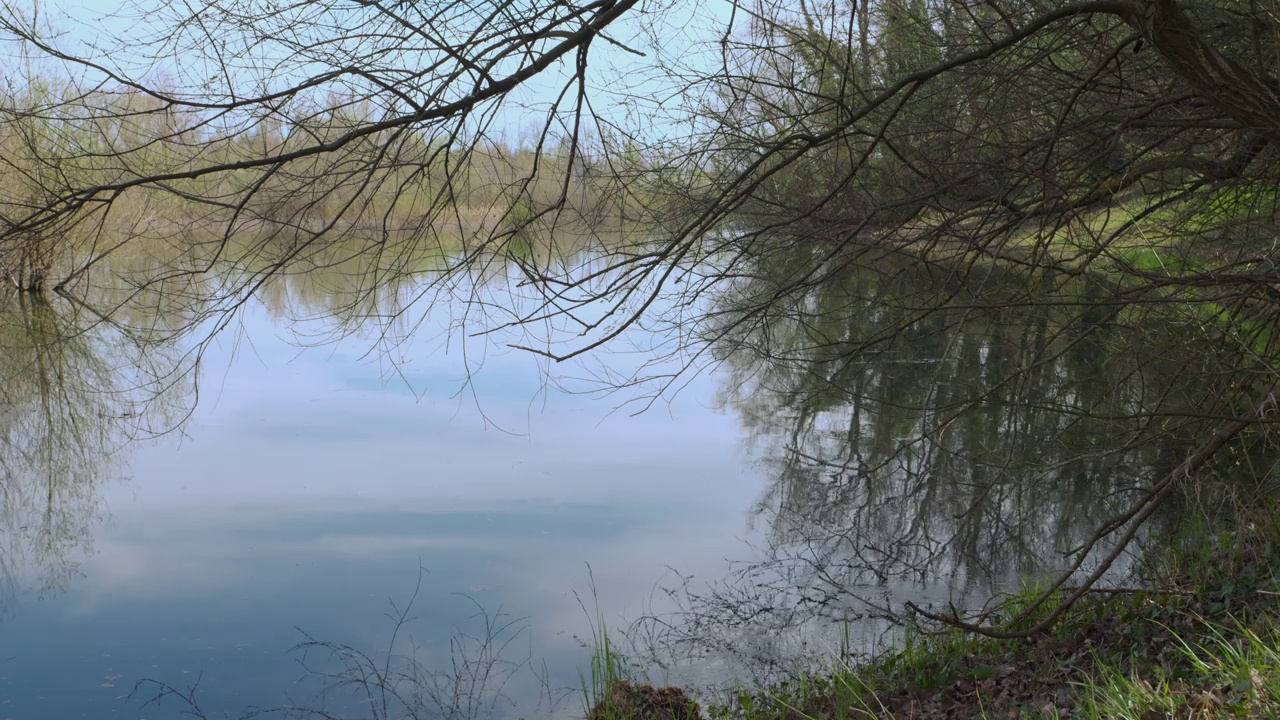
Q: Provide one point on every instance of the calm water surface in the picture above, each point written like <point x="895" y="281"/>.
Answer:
<point x="308" y="487"/>
<point x="311" y="489"/>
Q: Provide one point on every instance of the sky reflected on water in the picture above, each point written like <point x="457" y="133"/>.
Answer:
<point x="310" y="485"/>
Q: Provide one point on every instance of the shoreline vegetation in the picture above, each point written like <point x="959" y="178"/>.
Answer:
<point x="1197" y="637"/>
<point x="444" y="191"/>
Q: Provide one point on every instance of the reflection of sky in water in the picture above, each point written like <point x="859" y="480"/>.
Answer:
<point x="306" y="489"/>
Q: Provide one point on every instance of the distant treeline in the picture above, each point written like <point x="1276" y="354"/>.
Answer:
<point x="57" y="139"/>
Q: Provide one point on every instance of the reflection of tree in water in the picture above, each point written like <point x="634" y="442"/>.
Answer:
<point x="923" y="434"/>
<point x="73" y="392"/>
<point x="389" y="296"/>
<point x="971" y="441"/>
<point x="928" y="432"/>
<point x="80" y="381"/>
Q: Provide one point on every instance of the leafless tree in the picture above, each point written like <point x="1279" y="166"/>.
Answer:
<point x="1117" y="157"/>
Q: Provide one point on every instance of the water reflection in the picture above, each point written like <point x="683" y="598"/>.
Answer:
<point x="902" y="441"/>
<point x="307" y="487"/>
<point x="918" y="429"/>
<point x="86" y="375"/>
<point x="74" y="391"/>
<point x="934" y="435"/>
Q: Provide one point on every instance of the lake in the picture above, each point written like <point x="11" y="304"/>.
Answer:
<point x="189" y="510"/>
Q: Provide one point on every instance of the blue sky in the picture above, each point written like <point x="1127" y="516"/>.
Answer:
<point x="617" y="78"/>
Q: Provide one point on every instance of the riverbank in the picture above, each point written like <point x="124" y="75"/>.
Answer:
<point x="1200" y="639"/>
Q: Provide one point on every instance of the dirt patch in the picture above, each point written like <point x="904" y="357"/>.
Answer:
<point x="626" y="701"/>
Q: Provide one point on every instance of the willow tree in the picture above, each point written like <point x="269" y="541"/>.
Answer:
<point x="1120" y="155"/>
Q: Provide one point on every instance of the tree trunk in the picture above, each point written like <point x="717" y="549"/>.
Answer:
<point x="1251" y="99"/>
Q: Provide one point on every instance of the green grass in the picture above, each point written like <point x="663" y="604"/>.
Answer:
<point x="607" y="672"/>
<point x="1114" y="658"/>
<point x="1200" y="640"/>
<point x="1232" y="672"/>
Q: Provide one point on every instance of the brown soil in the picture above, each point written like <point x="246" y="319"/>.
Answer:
<point x="645" y="702"/>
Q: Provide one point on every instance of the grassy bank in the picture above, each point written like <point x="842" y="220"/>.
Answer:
<point x="1120" y="655"/>
<point x="1200" y="639"/>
